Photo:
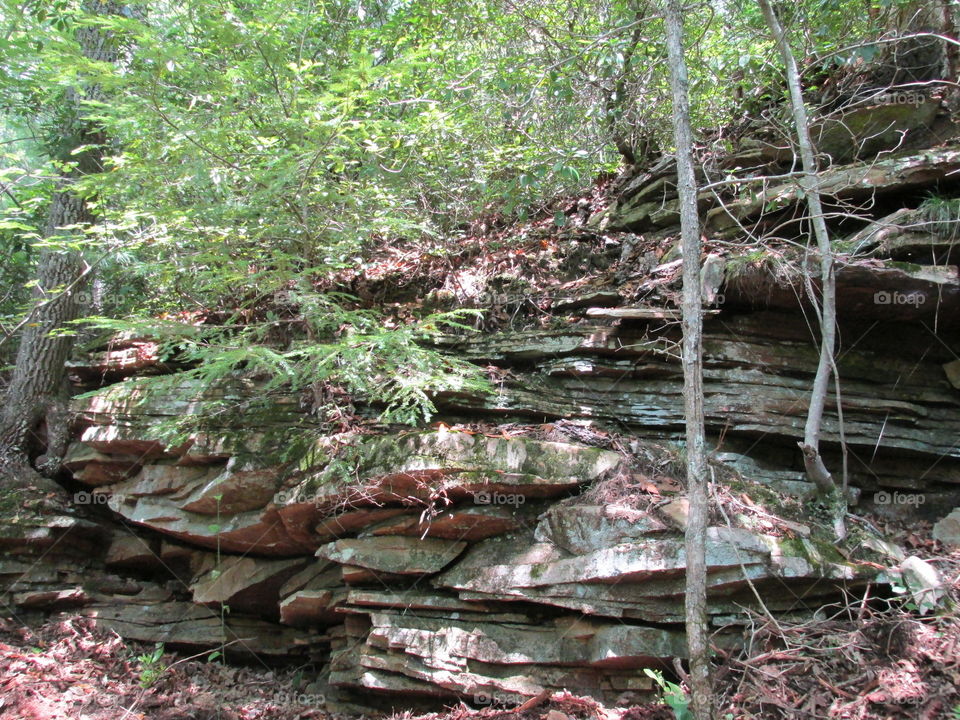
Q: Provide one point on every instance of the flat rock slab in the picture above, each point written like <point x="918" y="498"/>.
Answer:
<point x="353" y="521"/>
<point x="43" y="532"/>
<point x="562" y="642"/>
<point x="467" y="523"/>
<point x="423" y="465"/>
<point x="263" y="532"/>
<point x="245" y="584"/>
<point x="397" y="555"/>
<point x="189" y="625"/>
<point x="52" y="599"/>
<point x="134" y="553"/>
<point x="625" y="572"/>
<point x="757" y="373"/>
<point x="120" y="419"/>
<point x="139" y="358"/>
<point x="317" y="575"/>
<point x="866" y="288"/>
<point x="240" y="506"/>
<point x="502" y="563"/>
<point x="312" y="607"/>
<point x="865" y="131"/>
<point x="580" y="529"/>
<point x="640" y="313"/>
<point x="238" y="488"/>
<point x="95" y="468"/>
<point x="412" y="600"/>
<point x="858" y="180"/>
<point x="513" y="661"/>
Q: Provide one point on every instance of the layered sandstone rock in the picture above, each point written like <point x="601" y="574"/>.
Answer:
<point x="546" y="553"/>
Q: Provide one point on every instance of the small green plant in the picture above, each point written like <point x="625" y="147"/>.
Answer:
<point x="903" y="592"/>
<point x="151" y="666"/>
<point x="673" y="695"/>
<point x="943" y="214"/>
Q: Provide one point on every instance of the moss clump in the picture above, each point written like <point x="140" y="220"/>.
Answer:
<point x="905" y="266"/>
<point x="817" y="549"/>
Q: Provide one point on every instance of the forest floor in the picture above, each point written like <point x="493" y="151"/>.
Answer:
<point x="67" y="668"/>
<point x="871" y="660"/>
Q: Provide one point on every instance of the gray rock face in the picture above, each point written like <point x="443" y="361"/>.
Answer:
<point x="867" y="130"/>
<point x="506" y="599"/>
<point x="893" y="174"/>
<point x="187" y="625"/>
<point x="444" y="564"/>
<point x="579" y="529"/>
<point x="399" y="555"/>
<point x="421" y="466"/>
<point x="133" y="552"/>
<point x="637" y="577"/>
<point x="512" y="661"/>
<point x="244" y="584"/>
<point x="247" y="505"/>
<point x="947" y="530"/>
<point x="757" y="371"/>
<point x="425" y="566"/>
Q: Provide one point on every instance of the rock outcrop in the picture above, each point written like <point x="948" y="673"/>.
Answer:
<point x="56" y="562"/>
<point x="444" y="563"/>
<point x="533" y="540"/>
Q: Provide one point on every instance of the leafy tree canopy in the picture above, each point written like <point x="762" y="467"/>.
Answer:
<point x="256" y="149"/>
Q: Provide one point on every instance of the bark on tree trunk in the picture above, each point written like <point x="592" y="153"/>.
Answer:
<point x="36" y="388"/>
<point x="951" y="62"/>
<point x="809" y="182"/>
<point x="38" y="375"/>
<point x="698" y="638"/>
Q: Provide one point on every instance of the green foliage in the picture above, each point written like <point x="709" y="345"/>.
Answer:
<point x="673" y="695"/>
<point x="943" y="216"/>
<point x="151" y="666"/>
<point x="24" y="196"/>
<point x="392" y="368"/>
<point x="256" y="156"/>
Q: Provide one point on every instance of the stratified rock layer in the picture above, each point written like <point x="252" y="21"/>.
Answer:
<point x="548" y="553"/>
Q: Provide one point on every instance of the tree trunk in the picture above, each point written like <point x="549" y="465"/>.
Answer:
<point x="37" y="387"/>
<point x="951" y="62"/>
<point x="38" y="375"/>
<point x="809" y="182"/>
<point x="698" y="638"/>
